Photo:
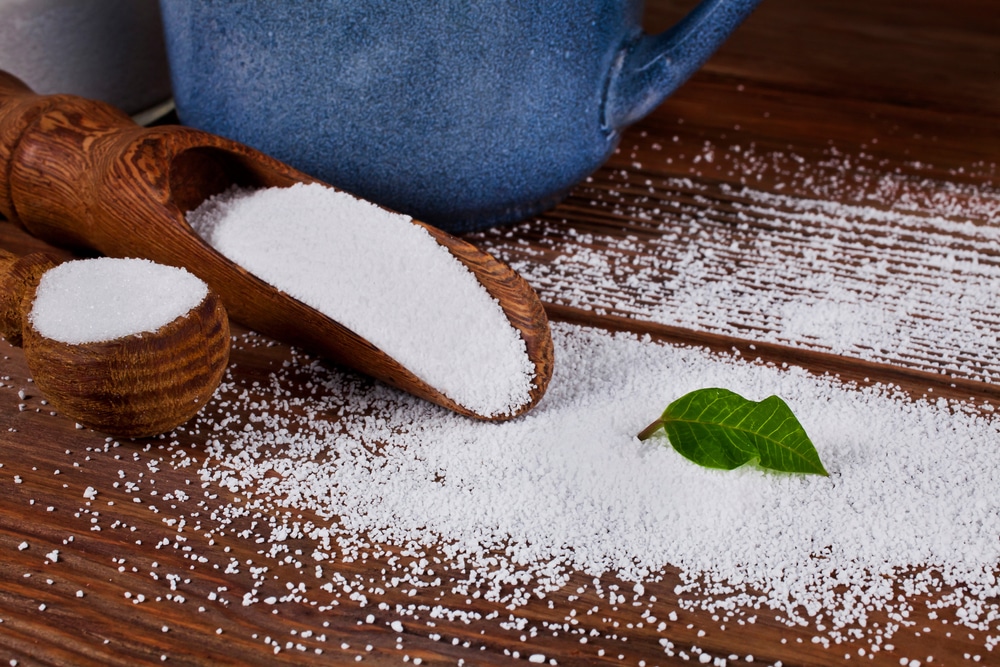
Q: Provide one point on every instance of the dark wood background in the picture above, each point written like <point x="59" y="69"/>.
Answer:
<point x="909" y="90"/>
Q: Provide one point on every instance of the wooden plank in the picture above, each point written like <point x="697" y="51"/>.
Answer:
<point x="681" y="235"/>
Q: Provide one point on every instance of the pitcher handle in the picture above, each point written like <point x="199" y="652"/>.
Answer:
<point x="651" y="67"/>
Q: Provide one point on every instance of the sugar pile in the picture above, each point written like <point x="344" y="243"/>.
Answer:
<point x="384" y="278"/>
<point x="910" y="505"/>
<point x="101" y="299"/>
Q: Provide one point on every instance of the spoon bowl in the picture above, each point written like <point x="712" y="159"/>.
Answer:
<point x="131" y="386"/>
<point x="80" y="173"/>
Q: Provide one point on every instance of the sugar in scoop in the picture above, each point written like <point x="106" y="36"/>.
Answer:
<point x="384" y="278"/>
<point x="125" y="346"/>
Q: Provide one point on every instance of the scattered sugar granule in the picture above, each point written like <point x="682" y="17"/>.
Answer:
<point x="569" y="488"/>
<point x="53" y="556"/>
<point x="772" y="267"/>
<point x="383" y="277"/>
<point x="100" y="299"/>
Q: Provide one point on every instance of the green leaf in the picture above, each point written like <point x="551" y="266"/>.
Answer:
<point x="717" y="428"/>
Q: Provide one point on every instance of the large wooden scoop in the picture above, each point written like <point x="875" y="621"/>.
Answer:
<point x="80" y="173"/>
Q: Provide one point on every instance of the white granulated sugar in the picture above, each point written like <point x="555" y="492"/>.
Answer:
<point x="910" y="500"/>
<point x="93" y="300"/>
<point x="384" y="278"/>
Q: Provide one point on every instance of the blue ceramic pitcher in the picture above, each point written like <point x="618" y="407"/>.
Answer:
<point x="461" y="113"/>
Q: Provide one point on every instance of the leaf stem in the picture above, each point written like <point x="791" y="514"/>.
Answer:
<point x="647" y="433"/>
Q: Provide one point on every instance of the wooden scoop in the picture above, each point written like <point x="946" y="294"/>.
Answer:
<point x="133" y="386"/>
<point x="81" y="173"/>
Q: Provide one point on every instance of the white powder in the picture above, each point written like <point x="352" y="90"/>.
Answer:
<point x="92" y="300"/>
<point x="384" y="278"/>
<point x="519" y="506"/>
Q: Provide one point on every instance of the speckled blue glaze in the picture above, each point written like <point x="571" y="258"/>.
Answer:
<point x="462" y="113"/>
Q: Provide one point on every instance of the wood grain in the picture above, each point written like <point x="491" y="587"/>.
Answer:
<point x="804" y="89"/>
<point x="80" y="173"/>
<point x="135" y="386"/>
<point x="18" y="278"/>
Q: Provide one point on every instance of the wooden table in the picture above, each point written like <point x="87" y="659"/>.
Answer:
<point x="890" y="105"/>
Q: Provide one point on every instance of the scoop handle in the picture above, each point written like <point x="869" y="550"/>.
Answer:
<point x="69" y="166"/>
<point x="51" y="149"/>
<point x="19" y="277"/>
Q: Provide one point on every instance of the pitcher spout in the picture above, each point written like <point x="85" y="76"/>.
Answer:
<point x="651" y="67"/>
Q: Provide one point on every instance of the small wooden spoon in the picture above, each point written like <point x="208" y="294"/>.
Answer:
<point x="134" y="386"/>
<point x="81" y="173"/>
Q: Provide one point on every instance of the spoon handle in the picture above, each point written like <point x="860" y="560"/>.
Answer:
<point x="19" y="277"/>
